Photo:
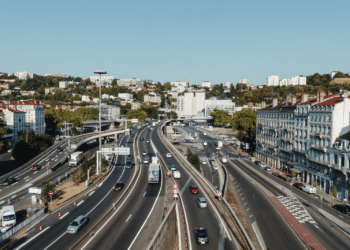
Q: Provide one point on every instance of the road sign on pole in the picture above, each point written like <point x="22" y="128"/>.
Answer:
<point x="175" y="191"/>
<point x="175" y="186"/>
<point x="47" y="165"/>
<point x="51" y="193"/>
<point x="219" y="194"/>
<point x="168" y="173"/>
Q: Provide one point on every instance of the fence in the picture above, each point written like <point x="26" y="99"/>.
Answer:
<point x="15" y="229"/>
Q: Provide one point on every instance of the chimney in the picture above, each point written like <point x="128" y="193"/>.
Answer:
<point x="263" y="104"/>
<point x="294" y="100"/>
<point x="304" y="98"/>
<point x="289" y="99"/>
<point x="274" y="102"/>
<point x="320" y="96"/>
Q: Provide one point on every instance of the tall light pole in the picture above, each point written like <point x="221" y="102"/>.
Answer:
<point x="100" y="72"/>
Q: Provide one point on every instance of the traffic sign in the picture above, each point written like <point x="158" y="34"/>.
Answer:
<point x="219" y="194"/>
<point x="175" y="186"/>
<point x="168" y="173"/>
<point x="50" y="193"/>
<point x="175" y="191"/>
<point x="47" y="165"/>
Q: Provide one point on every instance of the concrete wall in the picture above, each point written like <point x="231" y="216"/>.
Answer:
<point x="166" y="236"/>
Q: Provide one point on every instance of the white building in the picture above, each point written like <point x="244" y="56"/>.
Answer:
<point x="86" y="98"/>
<point x="24" y="75"/>
<point x="177" y="83"/>
<point x="108" y="112"/>
<point x="296" y="80"/>
<point x="214" y="103"/>
<point x="130" y="82"/>
<point x="179" y="89"/>
<point x="96" y="100"/>
<point x="152" y="99"/>
<point x="125" y="96"/>
<point x="6" y="92"/>
<point x="62" y="75"/>
<point x="206" y="84"/>
<point x="190" y="104"/>
<point x="15" y="120"/>
<point x="190" y="83"/>
<point x="34" y="114"/>
<point x="272" y="81"/>
<point x="63" y="84"/>
<point x="105" y="80"/>
<point x="244" y="81"/>
<point x="227" y="85"/>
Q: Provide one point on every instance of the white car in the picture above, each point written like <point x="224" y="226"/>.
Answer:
<point x="145" y="160"/>
<point x="168" y="155"/>
<point x="205" y="143"/>
<point x="309" y="189"/>
<point x="204" y="133"/>
<point x="223" y="160"/>
<point x="144" y="152"/>
<point x="204" y="162"/>
<point x="215" y="167"/>
<point x="176" y="175"/>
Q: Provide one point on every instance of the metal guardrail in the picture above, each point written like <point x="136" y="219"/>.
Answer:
<point x="42" y="155"/>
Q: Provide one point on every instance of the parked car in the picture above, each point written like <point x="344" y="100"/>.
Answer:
<point x="268" y="169"/>
<point x="144" y="152"/>
<point x="202" y="202"/>
<point x="298" y="185"/>
<point x="194" y="190"/>
<point x="204" y="133"/>
<point x="168" y="155"/>
<point x="185" y="156"/>
<point x="9" y="181"/>
<point x="145" y="160"/>
<point x="129" y="156"/>
<point x="128" y="164"/>
<point x="60" y="149"/>
<point x="193" y="145"/>
<point x="224" y="160"/>
<point x="173" y="167"/>
<point x="36" y="167"/>
<point x="201" y="236"/>
<point x="309" y="189"/>
<point x="77" y="224"/>
<point x="118" y="186"/>
<point x="345" y="209"/>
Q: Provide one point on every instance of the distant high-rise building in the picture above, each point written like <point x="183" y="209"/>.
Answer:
<point x="190" y="83"/>
<point x="206" y="84"/>
<point x="272" y="81"/>
<point x="244" y="81"/>
<point x="130" y="82"/>
<point x="24" y="75"/>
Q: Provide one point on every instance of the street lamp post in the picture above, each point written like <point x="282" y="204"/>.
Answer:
<point x="100" y="72"/>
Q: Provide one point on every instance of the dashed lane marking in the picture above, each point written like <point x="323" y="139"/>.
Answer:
<point x="64" y="215"/>
<point x="128" y="218"/>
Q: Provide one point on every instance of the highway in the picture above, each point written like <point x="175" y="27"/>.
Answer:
<point x="128" y="227"/>
<point x="196" y="217"/>
<point x="95" y="205"/>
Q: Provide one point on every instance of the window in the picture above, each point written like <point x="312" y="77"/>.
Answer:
<point x="305" y="122"/>
<point x="342" y="161"/>
<point x="335" y="159"/>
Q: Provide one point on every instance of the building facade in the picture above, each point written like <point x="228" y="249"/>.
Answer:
<point x="24" y="75"/>
<point x="214" y="103"/>
<point x="206" y="84"/>
<point x="272" y="81"/>
<point x="130" y="82"/>
<point x="152" y="99"/>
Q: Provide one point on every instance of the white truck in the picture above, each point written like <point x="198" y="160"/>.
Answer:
<point x="8" y="216"/>
<point x="153" y="171"/>
<point x="76" y="158"/>
<point x="218" y="145"/>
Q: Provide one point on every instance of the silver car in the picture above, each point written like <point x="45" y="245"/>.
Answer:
<point x="77" y="224"/>
<point x="202" y="202"/>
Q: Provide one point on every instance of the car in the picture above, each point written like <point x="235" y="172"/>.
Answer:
<point x="176" y="174"/>
<point x="60" y="149"/>
<point x="194" y="190"/>
<point x="128" y="164"/>
<point x="309" y="189"/>
<point x="9" y="151"/>
<point x="257" y="162"/>
<point x="185" y="156"/>
<point x="118" y="186"/>
<point x="36" y="167"/>
<point x="9" y="181"/>
<point x="225" y="139"/>
<point x="202" y="202"/>
<point x="212" y="160"/>
<point x="201" y="236"/>
<point x="193" y="145"/>
<point x="267" y="169"/>
<point x="77" y="224"/>
<point x="204" y="161"/>
<point x="216" y="188"/>
<point x="215" y="167"/>
<point x="298" y="185"/>
<point x="141" y="138"/>
<point x="144" y="152"/>
<point x="129" y="156"/>
<point x="176" y="143"/>
<point x="205" y="143"/>
<point x="173" y="167"/>
<point x="224" y="160"/>
<point x="345" y="209"/>
<point x="168" y="155"/>
<point x="147" y="140"/>
<point x="146" y="160"/>
<point x="204" y="133"/>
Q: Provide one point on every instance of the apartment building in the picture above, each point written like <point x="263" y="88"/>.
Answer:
<point x="214" y="103"/>
<point x="130" y="82"/>
<point x="152" y="99"/>
<point x="310" y="137"/>
<point x="272" y="80"/>
<point x="206" y="84"/>
<point x="106" y="81"/>
<point x="15" y="120"/>
<point x="177" y="83"/>
<point x="108" y="112"/>
<point x="190" y="103"/>
<point x="61" y="75"/>
<point x="24" y="75"/>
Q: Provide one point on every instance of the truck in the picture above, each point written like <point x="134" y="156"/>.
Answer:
<point x="76" y="158"/>
<point x="153" y="171"/>
<point x="73" y="146"/>
<point x="218" y="144"/>
<point x="8" y="216"/>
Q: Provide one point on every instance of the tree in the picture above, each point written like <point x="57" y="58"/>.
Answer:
<point x="46" y="188"/>
<point x="315" y="185"/>
<point x="51" y="121"/>
<point x="221" y="117"/>
<point x="140" y="95"/>
<point x="138" y="114"/>
<point x="241" y="135"/>
<point x="128" y="105"/>
<point x="3" y="130"/>
<point x="193" y="159"/>
<point x="76" y="123"/>
<point x="244" y="120"/>
<point x="334" y="192"/>
<point x="167" y="86"/>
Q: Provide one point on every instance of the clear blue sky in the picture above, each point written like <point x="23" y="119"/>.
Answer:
<point x="170" y="40"/>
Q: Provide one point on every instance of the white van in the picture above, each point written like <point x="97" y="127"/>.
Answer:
<point x="224" y="160"/>
<point x="176" y="174"/>
<point x="309" y="189"/>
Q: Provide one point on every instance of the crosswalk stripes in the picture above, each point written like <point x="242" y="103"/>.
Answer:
<point x="296" y="209"/>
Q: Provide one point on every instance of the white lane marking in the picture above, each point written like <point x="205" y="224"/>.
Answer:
<point x="55" y="241"/>
<point x="35" y="172"/>
<point x="31" y="239"/>
<point x="80" y="202"/>
<point x="14" y="184"/>
<point x="91" y="193"/>
<point x="64" y="215"/>
<point x="188" y="181"/>
<point x="144" y="194"/>
<point x="128" y="218"/>
<point x="26" y="177"/>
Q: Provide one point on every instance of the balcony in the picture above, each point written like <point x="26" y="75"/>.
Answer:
<point x="286" y="150"/>
<point x="299" y="150"/>
<point x="320" y="148"/>
<point x="326" y="163"/>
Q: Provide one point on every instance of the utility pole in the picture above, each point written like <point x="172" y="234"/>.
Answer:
<point x="68" y="148"/>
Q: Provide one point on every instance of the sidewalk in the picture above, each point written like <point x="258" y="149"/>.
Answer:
<point x="344" y="227"/>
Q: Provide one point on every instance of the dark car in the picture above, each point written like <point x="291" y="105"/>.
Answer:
<point x="298" y="185"/>
<point x="9" y="181"/>
<point x="194" y="190"/>
<point x="201" y="236"/>
<point x="36" y="167"/>
<point x="118" y="186"/>
<point x="257" y="162"/>
<point x="129" y="156"/>
<point x="173" y="167"/>
<point x="345" y="209"/>
<point x="128" y="164"/>
<point x="60" y="149"/>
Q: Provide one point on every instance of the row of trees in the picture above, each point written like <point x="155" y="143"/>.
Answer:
<point x="3" y="131"/>
<point x="193" y="159"/>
